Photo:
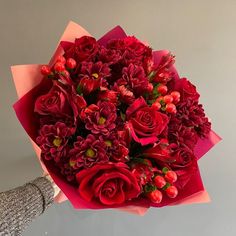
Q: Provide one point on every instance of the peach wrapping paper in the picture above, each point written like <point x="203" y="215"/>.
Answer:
<point x="27" y="77"/>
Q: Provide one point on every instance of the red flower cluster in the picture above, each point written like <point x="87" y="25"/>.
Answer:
<point x="117" y="125"/>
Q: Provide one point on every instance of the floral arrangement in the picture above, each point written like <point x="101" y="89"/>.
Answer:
<point x="115" y="124"/>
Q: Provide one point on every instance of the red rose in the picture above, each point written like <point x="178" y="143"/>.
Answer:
<point x="55" y="102"/>
<point x="61" y="102"/>
<point x="108" y="184"/>
<point x="145" y="123"/>
<point x="184" y="158"/>
<point x="186" y="89"/>
<point x="185" y="165"/>
<point x="84" y="48"/>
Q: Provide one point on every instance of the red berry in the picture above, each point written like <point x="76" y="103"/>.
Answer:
<point x="176" y="96"/>
<point x="59" y="67"/>
<point x="159" y="181"/>
<point x="150" y="87"/>
<point x="159" y="99"/>
<point x="162" y="89"/>
<point x="61" y="59"/>
<point x="168" y="99"/>
<point x="71" y="63"/>
<point x="171" y="108"/>
<point x="155" y="196"/>
<point x="156" y="105"/>
<point x="45" y="70"/>
<point x="172" y="191"/>
<point x="171" y="176"/>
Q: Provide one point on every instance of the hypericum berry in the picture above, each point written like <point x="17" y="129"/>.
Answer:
<point x="162" y="89"/>
<point x="61" y="59"/>
<point x="155" y="196"/>
<point x="176" y="96"/>
<point x="168" y="99"/>
<point x="156" y="105"/>
<point x="171" y="176"/>
<point x="172" y="191"/>
<point x="171" y="108"/>
<point x="159" y="181"/>
<point x="59" y="67"/>
<point x="45" y="70"/>
<point x="159" y="99"/>
<point x="71" y="63"/>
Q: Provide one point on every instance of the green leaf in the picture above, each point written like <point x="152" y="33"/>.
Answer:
<point x="166" y="186"/>
<point x="79" y="90"/>
<point x="149" y="188"/>
<point x="122" y="115"/>
<point x="152" y="74"/>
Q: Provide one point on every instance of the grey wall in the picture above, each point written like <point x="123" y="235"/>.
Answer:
<point x="203" y="36"/>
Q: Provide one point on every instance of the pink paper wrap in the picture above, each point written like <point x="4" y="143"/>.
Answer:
<point x="29" y="84"/>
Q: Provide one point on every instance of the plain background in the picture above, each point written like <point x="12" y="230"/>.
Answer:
<point x="201" y="34"/>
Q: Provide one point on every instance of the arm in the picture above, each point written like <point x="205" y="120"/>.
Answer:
<point x="18" y="207"/>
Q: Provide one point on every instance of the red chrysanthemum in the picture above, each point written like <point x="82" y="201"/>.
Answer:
<point x="53" y="141"/>
<point x="116" y="149"/>
<point x="87" y="152"/>
<point x="101" y="118"/>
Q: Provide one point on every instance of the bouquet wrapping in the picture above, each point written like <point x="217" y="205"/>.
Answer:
<point x="113" y="124"/>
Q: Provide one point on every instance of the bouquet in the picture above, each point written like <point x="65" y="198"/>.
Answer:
<point x="114" y="124"/>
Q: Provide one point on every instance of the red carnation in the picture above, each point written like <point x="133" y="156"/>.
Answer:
<point x="134" y="79"/>
<point x="191" y="114"/>
<point x="109" y="56"/>
<point x="132" y="50"/>
<point x="180" y="134"/>
<point x="100" y="118"/>
<point x="145" y="123"/>
<point x="87" y="152"/>
<point x="108" y="184"/>
<point x="53" y="140"/>
<point x="136" y="49"/>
